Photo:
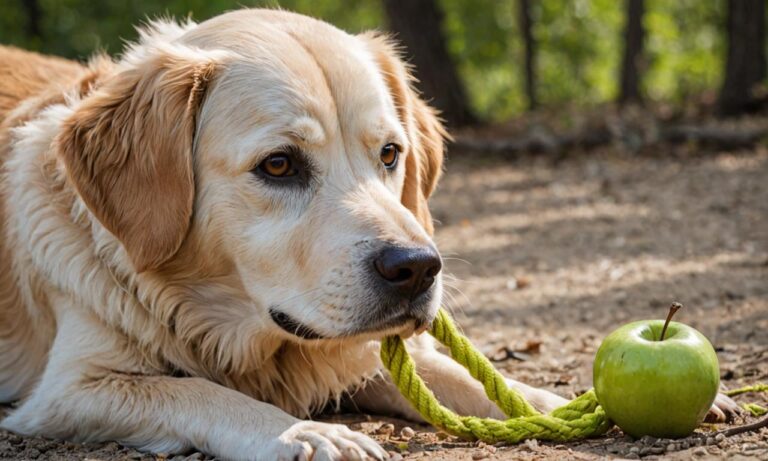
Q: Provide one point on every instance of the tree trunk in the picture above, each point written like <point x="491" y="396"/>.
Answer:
<point x="745" y="65"/>
<point x="32" y="8"/>
<point x="526" y="26"/>
<point x="418" y="25"/>
<point x="631" y="65"/>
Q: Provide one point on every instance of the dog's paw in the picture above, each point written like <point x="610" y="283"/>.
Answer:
<point x="546" y="401"/>
<point x="541" y="399"/>
<point x="723" y="410"/>
<point x="310" y="440"/>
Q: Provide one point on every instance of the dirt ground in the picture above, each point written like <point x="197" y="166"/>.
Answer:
<point x="547" y="257"/>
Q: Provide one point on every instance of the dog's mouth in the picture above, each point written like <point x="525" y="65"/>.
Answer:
<point x="296" y="328"/>
<point x="293" y="326"/>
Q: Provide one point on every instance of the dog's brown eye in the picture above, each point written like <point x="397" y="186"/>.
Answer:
<point x="278" y="165"/>
<point x="389" y="155"/>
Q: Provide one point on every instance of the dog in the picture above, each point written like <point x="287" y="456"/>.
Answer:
<point x="203" y="241"/>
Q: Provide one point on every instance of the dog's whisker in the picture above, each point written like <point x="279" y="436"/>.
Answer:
<point x="453" y="278"/>
<point x="298" y="295"/>
<point x="451" y="290"/>
<point x="461" y="260"/>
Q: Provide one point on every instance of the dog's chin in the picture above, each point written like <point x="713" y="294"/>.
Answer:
<point x="403" y="325"/>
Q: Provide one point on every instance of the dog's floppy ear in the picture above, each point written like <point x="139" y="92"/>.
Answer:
<point x="127" y="149"/>
<point x="422" y="126"/>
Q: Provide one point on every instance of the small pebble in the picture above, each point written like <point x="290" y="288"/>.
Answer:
<point x="632" y="456"/>
<point x="532" y="444"/>
<point x="648" y="440"/>
<point x="657" y="450"/>
<point x="395" y="456"/>
<point x="671" y="447"/>
<point x="685" y="445"/>
<point x="634" y="450"/>
<point x="386" y="429"/>
<point x="720" y="437"/>
<point x="407" y="433"/>
<point x="645" y="451"/>
<point x="710" y="440"/>
<point x="480" y="454"/>
<point x="700" y="451"/>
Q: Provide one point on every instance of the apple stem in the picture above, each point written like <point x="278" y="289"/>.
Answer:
<point x="672" y="309"/>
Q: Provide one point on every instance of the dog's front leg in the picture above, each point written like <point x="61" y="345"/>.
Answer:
<point x="94" y="389"/>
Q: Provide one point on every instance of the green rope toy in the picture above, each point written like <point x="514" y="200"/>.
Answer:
<point x="755" y="409"/>
<point x="581" y="418"/>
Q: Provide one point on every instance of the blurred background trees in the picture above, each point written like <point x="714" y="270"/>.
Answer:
<point x="631" y="63"/>
<point x="489" y="60"/>
<point x="745" y="63"/>
<point x="418" y="25"/>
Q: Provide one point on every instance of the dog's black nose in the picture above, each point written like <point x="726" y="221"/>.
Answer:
<point x="408" y="271"/>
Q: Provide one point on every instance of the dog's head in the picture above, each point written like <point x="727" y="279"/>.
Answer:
<point x="278" y="151"/>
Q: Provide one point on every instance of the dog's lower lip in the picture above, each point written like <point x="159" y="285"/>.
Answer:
<point x="396" y="321"/>
<point x="292" y="326"/>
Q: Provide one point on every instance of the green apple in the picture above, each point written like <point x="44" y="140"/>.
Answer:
<point x="656" y="378"/>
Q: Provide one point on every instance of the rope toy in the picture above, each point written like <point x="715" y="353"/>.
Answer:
<point x="753" y="408"/>
<point x="582" y="417"/>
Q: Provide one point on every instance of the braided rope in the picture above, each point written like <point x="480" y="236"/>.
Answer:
<point x="759" y="387"/>
<point x="582" y="417"/>
<point x="753" y="408"/>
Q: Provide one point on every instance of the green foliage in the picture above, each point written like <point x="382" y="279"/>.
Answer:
<point x="579" y="45"/>
<point x="483" y="38"/>
<point x="686" y="45"/>
<point x="579" y="42"/>
<point x="77" y="28"/>
<point x="580" y="49"/>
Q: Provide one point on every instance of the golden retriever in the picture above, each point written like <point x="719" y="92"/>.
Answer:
<point x="202" y="242"/>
